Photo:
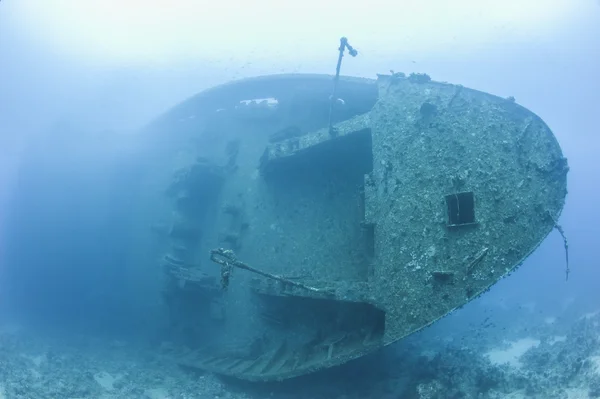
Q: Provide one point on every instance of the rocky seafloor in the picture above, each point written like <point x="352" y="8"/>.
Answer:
<point x="549" y="360"/>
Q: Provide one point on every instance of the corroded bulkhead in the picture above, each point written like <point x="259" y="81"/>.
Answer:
<point x="423" y="196"/>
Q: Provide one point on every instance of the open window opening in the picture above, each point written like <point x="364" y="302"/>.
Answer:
<point x="461" y="209"/>
<point x="369" y="235"/>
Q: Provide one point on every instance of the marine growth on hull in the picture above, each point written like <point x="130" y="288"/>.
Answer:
<point x="300" y="233"/>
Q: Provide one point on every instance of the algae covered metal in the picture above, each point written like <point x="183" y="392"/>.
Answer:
<point x="291" y="245"/>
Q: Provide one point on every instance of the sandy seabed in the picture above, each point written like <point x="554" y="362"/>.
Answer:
<point x="547" y="363"/>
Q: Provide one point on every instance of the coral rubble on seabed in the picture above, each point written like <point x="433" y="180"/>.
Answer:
<point x="33" y="367"/>
<point x="553" y="363"/>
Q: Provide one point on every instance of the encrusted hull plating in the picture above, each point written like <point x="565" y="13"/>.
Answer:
<point x="423" y="196"/>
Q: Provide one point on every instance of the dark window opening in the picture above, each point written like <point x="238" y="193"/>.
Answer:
<point x="369" y="235"/>
<point x="461" y="208"/>
<point x="348" y="155"/>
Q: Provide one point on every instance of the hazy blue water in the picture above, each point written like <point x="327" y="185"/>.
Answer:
<point x="70" y="169"/>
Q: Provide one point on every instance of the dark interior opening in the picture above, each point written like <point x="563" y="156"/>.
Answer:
<point x="351" y="154"/>
<point x="461" y="208"/>
<point x="351" y="324"/>
<point x="327" y="180"/>
<point x="369" y="234"/>
<point x="319" y="312"/>
<point x="298" y="334"/>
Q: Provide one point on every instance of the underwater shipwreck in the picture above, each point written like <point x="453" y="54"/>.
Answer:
<point x="302" y="229"/>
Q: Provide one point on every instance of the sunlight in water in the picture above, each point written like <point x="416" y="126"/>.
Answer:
<point x="152" y="30"/>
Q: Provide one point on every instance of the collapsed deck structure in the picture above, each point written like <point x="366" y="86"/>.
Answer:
<point x="334" y="234"/>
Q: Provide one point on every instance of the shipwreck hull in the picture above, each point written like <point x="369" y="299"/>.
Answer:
<point x="422" y="196"/>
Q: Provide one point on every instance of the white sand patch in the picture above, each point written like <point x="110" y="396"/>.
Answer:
<point x="105" y="380"/>
<point x="36" y="374"/>
<point x="550" y="320"/>
<point x="577" y="393"/>
<point x="156" y="393"/>
<point x="511" y="395"/>
<point x="512" y="354"/>
<point x="2" y="394"/>
<point x="572" y="393"/>
<point x="557" y="338"/>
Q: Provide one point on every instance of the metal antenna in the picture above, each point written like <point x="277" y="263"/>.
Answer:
<point x="343" y="46"/>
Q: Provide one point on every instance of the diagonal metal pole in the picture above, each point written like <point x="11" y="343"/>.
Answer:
<point x="343" y="46"/>
<point x="227" y="259"/>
